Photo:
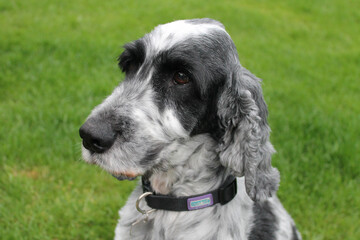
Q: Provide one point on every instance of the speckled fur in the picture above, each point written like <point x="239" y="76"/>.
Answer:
<point x="188" y="139"/>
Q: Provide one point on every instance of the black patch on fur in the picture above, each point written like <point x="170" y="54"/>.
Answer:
<point x="294" y="233"/>
<point x="132" y="57"/>
<point x="124" y="126"/>
<point x="204" y="59"/>
<point x="265" y="222"/>
<point x="209" y="122"/>
<point x="151" y="155"/>
<point x="185" y="98"/>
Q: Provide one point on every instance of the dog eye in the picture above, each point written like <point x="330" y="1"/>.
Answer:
<point x="181" y="78"/>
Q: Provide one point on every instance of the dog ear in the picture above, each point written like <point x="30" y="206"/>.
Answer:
<point x="245" y="147"/>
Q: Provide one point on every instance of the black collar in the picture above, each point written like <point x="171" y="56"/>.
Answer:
<point x="224" y="194"/>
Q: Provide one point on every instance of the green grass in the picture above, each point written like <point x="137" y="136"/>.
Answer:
<point x="58" y="60"/>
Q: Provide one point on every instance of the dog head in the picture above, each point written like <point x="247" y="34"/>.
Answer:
<point x="183" y="79"/>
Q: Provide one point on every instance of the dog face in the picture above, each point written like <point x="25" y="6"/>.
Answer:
<point x="169" y="92"/>
<point x="182" y="79"/>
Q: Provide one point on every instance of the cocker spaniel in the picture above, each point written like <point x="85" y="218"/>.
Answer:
<point x="192" y="122"/>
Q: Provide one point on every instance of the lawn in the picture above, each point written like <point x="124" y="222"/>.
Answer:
<point x="58" y="60"/>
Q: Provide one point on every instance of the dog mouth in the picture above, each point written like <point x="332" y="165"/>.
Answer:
<point x="128" y="173"/>
<point x="125" y="175"/>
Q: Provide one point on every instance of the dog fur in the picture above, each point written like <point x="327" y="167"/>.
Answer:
<point x="189" y="137"/>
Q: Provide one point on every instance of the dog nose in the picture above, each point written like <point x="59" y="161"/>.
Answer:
<point x="97" y="135"/>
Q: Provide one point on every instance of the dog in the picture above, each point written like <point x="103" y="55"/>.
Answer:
<point x="192" y="122"/>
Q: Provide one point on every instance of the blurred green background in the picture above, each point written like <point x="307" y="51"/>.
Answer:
<point x="58" y="60"/>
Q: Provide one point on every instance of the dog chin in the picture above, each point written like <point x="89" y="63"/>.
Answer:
<point x="118" y="174"/>
<point x="123" y="177"/>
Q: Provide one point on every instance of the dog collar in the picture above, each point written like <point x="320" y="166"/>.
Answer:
<point x="224" y="194"/>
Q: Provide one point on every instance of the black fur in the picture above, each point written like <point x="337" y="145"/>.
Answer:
<point x="265" y="222"/>
<point x="132" y="57"/>
<point x="294" y="233"/>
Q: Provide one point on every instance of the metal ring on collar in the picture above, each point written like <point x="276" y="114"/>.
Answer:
<point x="146" y="212"/>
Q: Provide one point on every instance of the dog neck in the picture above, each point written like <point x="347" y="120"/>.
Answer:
<point x="192" y="167"/>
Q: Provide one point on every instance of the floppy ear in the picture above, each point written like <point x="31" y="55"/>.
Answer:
<point x="245" y="147"/>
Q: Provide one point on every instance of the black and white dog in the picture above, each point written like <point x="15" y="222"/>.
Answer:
<point x="187" y="118"/>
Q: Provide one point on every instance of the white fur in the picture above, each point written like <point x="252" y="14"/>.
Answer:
<point x="238" y="211"/>
<point x="185" y="165"/>
<point x="167" y="35"/>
